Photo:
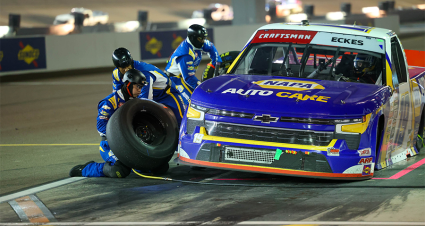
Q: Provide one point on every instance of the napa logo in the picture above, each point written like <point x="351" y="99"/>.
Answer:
<point x="28" y="54"/>
<point x="288" y="84"/>
<point x="153" y="46"/>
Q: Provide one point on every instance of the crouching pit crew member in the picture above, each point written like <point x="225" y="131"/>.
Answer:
<point x="159" y="87"/>
<point x="184" y="62"/>
<point x="133" y="80"/>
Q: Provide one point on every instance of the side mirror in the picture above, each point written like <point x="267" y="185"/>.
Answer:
<point x="391" y="89"/>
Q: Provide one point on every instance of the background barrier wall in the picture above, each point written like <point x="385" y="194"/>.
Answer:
<point x="94" y="50"/>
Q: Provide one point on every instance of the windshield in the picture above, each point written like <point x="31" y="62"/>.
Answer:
<point x="312" y="61"/>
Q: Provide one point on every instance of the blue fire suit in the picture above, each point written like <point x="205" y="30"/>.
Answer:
<point x="158" y="88"/>
<point x="106" y="108"/>
<point x="184" y="62"/>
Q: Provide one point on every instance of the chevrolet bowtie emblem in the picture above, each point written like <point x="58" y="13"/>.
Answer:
<point x="265" y="118"/>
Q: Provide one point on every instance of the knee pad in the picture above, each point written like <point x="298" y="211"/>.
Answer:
<point x="118" y="170"/>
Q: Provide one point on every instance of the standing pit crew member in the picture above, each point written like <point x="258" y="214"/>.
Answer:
<point x="133" y="80"/>
<point x="184" y="62"/>
<point x="158" y="87"/>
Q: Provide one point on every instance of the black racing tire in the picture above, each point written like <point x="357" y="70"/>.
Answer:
<point x="227" y="58"/>
<point x="143" y="134"/>
<point x="419" y="139"/>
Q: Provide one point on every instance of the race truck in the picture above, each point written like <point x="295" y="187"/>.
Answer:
<point x="91" y="18"/>
<point x="309" y="100"/>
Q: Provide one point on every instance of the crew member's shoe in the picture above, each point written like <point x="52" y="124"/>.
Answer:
<point x="77" y="171"/>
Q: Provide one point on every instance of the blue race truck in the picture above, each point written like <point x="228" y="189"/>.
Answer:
<point x="309" y="100"/>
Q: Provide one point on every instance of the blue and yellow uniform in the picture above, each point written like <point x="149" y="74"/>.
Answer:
<point x="184" y="62"/>
<point x="158" y="88"/>
<point x="106" y="108"/>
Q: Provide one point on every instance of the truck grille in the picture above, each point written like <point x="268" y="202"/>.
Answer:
<point x="249" y="155"/>
<point x="269" y="134"/>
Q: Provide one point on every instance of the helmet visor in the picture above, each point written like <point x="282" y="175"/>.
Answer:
<point x="361" y="64"/>
<point x="124" y="62"/>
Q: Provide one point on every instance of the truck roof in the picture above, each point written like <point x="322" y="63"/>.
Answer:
<point x="80" y="10"/>
<point x="335" y="28"/>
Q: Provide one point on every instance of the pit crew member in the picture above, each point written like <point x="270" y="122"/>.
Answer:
<point x="133" y="80"/>
<point x="184" y="62"/>
<point x="158" y="87"/>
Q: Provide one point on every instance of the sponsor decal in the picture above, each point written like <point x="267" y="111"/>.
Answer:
<point x="113" y="102"/>
<point x="28" y="54"/>
<point x="250" y="92"/>
<point x="184" y="94"/>
<point x="365" y="161"/>
<point x="288" y="84"/>
<point x="350" y="41"/>
<point x="192" y="54"/>
<point x="182" y="102"/>
<point x="365" y="152"/>
<point x="191" y="73"/>
<point x="120" y="104"/>
<point x="106" y="107"/>
<point x="190" y="68"/>
<point x="391" y="34"/>
<point x="103" y="117"/>
<point x="367" y="169"/>
<point x="299" y="96"/>
<point x="198" y="138"/>
<point x="333" y="152"/>
<point x="284" y="36"/>
<point x="104" y="113"/>
<point x="179" y="88"/>
<point x="177" y="41"/>
<point x="162" y="44"/>
<point x="153" y="46"/>
<point x="347" y="41"/>
<point x="280" y="35"/>
<point x="189" y="62"/>
<point x="265" y="119"/>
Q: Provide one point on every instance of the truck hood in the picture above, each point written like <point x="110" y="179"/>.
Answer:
<point x="292" y="97"/>
<point x="64" y="17"/>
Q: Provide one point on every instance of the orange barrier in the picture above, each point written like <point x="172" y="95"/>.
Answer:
<point x="415" y="57"/>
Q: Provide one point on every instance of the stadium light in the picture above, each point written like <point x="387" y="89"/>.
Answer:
<point x="372" y="12"/>
<point x="184" y="24"/>
<point x="4" y="30"/>
<point x="296" y="17"/>
<point x="335" y="15"/>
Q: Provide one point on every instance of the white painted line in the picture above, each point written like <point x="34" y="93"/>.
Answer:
<point x="40" y="188"/>
<point x="56" y="83"/>
<point x="19" y="211"/>
<point x="230" y="223"/>
<point x="43" y="208"/>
